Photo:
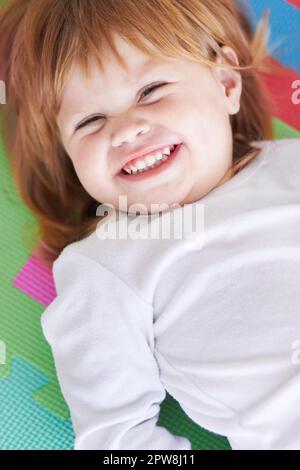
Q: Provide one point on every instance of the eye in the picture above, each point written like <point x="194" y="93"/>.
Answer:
<point x="150" y="89"/>
<point x="88" y="121"/>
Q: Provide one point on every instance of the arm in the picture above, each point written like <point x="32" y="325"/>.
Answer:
<point x="100" y="333"/>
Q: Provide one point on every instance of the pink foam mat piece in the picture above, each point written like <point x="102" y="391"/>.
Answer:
<point x="35" y="279"/>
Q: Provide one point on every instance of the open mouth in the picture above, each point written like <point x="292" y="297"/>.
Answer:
<point x="156" y="168"/>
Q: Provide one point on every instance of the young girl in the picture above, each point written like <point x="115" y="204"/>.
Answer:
<point x="158" y="104"/>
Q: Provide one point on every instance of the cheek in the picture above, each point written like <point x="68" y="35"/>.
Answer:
<point x="209" y="114"/>
<point x="194" y="110"/>
<point x="205" y="124"/>
<point x="88" y="153"/>
<point x="91" y="166"/>
<point x="85" y="162"/>
<point x="83" y="174"/>
<point x="91" y="179"/>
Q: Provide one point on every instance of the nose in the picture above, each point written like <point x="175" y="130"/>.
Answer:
<point x="128" y="131"/>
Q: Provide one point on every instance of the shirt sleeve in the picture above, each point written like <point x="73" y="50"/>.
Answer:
<point x="101" y="336"/>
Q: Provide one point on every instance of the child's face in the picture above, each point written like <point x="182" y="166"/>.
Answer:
<point x="193" y="108"/>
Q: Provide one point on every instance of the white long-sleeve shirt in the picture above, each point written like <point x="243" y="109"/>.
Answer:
<point x="213" y="320"/>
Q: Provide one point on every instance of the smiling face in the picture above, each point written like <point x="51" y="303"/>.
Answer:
<point x="191" y="106"/>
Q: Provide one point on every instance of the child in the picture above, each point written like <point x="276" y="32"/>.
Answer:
<point x="213" y="319"/>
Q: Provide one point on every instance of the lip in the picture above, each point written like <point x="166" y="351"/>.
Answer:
<point x="143" y="154"/>
<point x="153" y="171"/>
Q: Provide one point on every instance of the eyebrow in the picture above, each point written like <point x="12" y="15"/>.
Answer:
<point x="141" y="71"/>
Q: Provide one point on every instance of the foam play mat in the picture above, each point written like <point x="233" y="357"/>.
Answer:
<point x="33" y="413"/>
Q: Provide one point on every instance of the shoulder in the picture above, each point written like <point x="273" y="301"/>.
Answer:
<point x="279" y="161"/>
<point x="131" y="248"/>
<point x="280" y="148"/>
<point x="283" y="150"/>
<point x="288" y="146"/>
<point x="109" y="252"/>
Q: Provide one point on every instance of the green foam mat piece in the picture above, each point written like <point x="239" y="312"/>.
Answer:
<point x="28" y="425"/>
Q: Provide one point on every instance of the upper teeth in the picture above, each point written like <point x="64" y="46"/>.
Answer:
<point x="149" y="161"/>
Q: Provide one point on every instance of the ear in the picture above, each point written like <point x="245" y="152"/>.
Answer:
<point x="230" y="81"/>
